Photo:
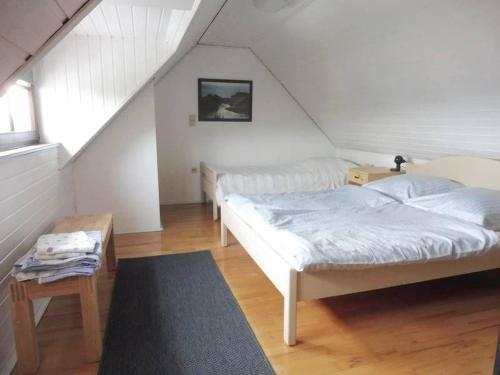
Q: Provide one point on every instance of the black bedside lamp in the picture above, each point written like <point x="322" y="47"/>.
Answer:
<point x="398" y="160"/>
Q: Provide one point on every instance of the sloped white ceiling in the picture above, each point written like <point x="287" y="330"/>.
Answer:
<point x="25" y="26"/>
<point x="105" y="61"/>
<point x="158" y="19"/>
<point x="418" y="77"/>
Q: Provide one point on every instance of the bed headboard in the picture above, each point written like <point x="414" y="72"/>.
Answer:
<point x="470" y="171"/>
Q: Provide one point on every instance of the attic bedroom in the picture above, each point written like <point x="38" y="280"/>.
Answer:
<point x="249" y="187"/>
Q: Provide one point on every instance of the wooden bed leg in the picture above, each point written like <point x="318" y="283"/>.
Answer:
<point x="290" y="310"/>
<point x="28" y="357"/>
<point x="215" y="210"/>
<point x="223" y="234"/>
<point x="90" y="314"/>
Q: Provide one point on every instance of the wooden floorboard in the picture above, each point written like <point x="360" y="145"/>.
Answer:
<point x="440" y="327"/>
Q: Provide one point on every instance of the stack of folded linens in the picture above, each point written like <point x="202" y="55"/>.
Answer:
<point x="61" y="255"/>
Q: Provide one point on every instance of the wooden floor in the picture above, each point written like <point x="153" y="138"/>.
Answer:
<point x="440" y="327"/>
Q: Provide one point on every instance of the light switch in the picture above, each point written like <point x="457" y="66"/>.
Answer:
<point x="192" y="120"/>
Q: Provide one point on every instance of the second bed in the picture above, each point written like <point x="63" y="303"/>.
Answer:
<point x="313" y="174"/>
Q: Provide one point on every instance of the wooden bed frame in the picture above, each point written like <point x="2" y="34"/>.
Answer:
<point x="208" y="187"/>
<point x="302" y="286"/>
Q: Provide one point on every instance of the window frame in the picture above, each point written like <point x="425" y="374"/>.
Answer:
<point x="16" y="139"/>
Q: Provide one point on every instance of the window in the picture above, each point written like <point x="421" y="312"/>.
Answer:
<point x="17" y="117"/>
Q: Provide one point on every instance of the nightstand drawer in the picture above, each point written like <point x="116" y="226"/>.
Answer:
<point x="358" y="177"/>
<point x="363" y="175"/>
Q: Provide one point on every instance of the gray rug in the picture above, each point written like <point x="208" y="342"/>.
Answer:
<point x="175" y="314"/>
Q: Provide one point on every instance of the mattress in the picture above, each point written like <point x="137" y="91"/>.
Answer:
<point x="356" y="230"/>
<point x="315" y="174"/>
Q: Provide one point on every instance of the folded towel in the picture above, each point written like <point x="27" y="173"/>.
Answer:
<point x="60" y="243"/>
<point x="59" y="266"/>
<point x="43" y="256"/>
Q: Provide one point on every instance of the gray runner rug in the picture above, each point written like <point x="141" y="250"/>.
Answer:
<point x="175" y="314"/>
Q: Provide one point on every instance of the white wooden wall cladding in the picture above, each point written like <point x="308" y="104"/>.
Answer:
<point x="92" y="73"/>
<point x="33" y="193"/>
<point x="413" y="77"/>
<point x="26" y="25"/>
<point x="118" y="20"/>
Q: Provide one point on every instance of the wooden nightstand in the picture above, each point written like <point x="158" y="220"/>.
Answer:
<point x="363" y="175"/>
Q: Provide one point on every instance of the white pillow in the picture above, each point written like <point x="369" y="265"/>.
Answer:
<point x="476" y="205"/>
<point x="405" y="187"/>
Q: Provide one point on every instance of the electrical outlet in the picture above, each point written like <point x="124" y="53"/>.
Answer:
<point x="192" y="120"/>
<point x="194" y="170"/>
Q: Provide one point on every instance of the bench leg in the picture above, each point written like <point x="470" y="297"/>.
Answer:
<point x="290" y="310"/>
<point x="110" y="253"/>
<point x="28" y="357"/>
<point x="90" y="315"/>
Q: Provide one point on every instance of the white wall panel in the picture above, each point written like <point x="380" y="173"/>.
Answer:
<point x="83" y="82"/>
<point x="280" y="131"/>
<point x="118" y="172"/>
<point x="108" y="78"/>
<point x="94" y="71"/>
<point x="33" y="194"/>
<point x="119" y="73"/>
<point x="110" y="14"/>
<point x="392" y="76"/>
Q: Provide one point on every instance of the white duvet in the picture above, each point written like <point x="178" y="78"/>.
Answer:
<point x="340" y="230"/>
<point x="315" y="174"/>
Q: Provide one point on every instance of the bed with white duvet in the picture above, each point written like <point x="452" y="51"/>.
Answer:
<point x="356" y="227"/>
<point x="439" y="220"/>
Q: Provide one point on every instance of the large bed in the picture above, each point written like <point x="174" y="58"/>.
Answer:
<point x="313" y="174"/>
<point x="460" y="247"/>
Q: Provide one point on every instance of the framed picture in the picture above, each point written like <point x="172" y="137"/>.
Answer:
<point x="224" y="100"/>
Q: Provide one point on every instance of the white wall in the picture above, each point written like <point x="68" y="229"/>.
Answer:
<point x="82" y="82"/>
<point x="374" y="158"/>
<point x="33" y="194"/>
<point x="95" y="70"/>
<point x="280" y="131"/>
<point x="392" y="76"/>
<point x="118" y="171"/>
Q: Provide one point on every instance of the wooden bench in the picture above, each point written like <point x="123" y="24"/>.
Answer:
<point x="22" y="294"/>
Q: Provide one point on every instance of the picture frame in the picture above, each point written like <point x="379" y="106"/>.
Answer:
<point x="225" y="100"/>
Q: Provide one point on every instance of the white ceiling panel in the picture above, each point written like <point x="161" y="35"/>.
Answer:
<point x="126" y="20"/>
<point x="99" y="22"/>
<point x="121" y="20"/>
<point x="170" y="4"/>
<point x="57" y="10"/>
<point x="153" y="22"/>
<point x="164" y="21"/>
<point x="241" y="24"/>
<point x="28" y="24"/>
<point x="70" y="6"/>
<point x="30" y="28"/>
<point x="174" y="24"/>
<point x="399" y="76"/>
<point x="11" y="58"/>
<point x="139" y="18"/>
<point x="110" y="13"/>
